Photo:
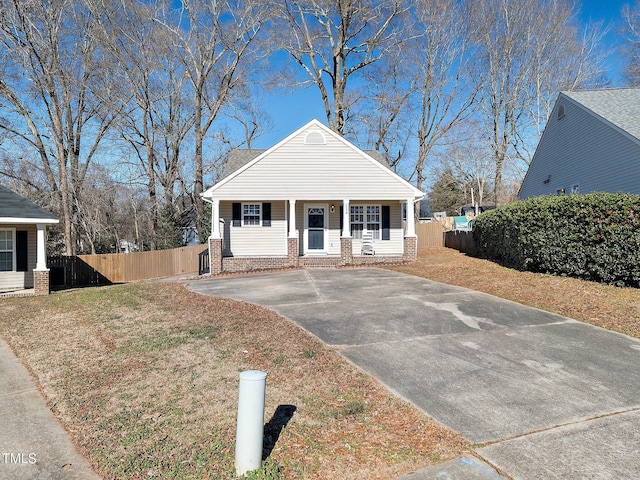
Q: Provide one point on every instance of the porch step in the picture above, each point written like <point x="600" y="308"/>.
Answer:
<point x="320" y="262"/>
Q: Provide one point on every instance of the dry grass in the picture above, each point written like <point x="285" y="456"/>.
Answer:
<point x="609" y="307"/>
<point x="144" y="377"/>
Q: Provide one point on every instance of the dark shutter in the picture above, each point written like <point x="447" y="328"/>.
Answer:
<point x="341" y="219"/>
<point x="22" y="249"/>
<point x="237" y="214"/>
<point x="266" y="214"/>
<point x="386" y="223"/>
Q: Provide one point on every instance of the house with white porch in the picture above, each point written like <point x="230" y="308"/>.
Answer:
<point x="308" y="201"/>
<point x="23" y="254"/>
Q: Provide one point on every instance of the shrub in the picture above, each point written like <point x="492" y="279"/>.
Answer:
<point x="594" y="236"/>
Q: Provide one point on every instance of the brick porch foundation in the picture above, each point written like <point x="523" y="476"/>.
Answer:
<point x="41" y="282"/>
<point x="215" y="255"/>
<point x="346" y="250"/>
<point x="410" y="249"/>
<point x="220" y="264"/>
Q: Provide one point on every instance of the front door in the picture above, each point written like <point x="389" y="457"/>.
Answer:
<point x="316" y="228"/>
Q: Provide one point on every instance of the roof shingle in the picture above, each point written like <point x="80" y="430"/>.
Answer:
<point x="13" y="205"/>
<point x="620" y="106"/>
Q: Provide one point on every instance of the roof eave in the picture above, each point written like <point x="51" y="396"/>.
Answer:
<point x="28" y="221"/>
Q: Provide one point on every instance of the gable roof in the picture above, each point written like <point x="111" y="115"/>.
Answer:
<point x="15" y="208"/>
<point x="313" y="162"/>
<point x="239" y="157"/>
<point x="617" y="106"/>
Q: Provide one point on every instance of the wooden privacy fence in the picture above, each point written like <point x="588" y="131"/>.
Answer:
<point x="429" y="235"/>
<point x="123" y="267"/>
<point x="461" y="240"/>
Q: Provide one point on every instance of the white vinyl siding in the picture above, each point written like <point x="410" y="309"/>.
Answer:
<point x="582" y="148"/>
<point x="319" y="172"/>
<point x="253" y="240"/>
<point x="19" y="280"/>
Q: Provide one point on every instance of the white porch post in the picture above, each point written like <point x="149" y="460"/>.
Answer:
<point x="292" y="219"/>
<point x="346" y="219"/>
<point x="215" y="219"/>
<point x="411" y="221"/>
<point x="41" y="252"/>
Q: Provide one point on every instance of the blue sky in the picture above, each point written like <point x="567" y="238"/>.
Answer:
<point x="290" y="111"/>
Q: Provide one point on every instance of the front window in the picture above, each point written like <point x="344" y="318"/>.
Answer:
<point x="365" y="217"/>
<point x="251" y="214"/>
<point x="6" y="250"/>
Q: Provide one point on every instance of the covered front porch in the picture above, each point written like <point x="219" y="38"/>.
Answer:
<point x="276" y="234"/>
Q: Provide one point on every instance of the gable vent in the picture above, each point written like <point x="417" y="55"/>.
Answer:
<point x="315" y="138"/>
<point x="560" y="112"/>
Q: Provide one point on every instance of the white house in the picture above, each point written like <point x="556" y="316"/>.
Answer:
<point x="591" y="143"/>
<point x="307" y="201"/>
<point x="23" y="255"/>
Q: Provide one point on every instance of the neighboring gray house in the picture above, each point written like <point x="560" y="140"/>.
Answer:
<point x="591" y="144"/>
<point x="307" y="201"/>
<point x="23" y="255"/>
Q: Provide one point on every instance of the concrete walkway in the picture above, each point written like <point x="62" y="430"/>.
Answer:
<point x="33" y="444"/>
<point x="542" y="396"/>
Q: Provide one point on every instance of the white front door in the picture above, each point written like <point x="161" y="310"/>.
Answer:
<point x="315" y="229"/>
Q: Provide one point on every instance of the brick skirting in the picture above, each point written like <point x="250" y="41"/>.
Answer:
<point x="248" y="264"/>
<point x="410" y="249"/>
<point x="346" y="250"/>
<point x="41" y="282"/>
<point x="292" y="250"/>
<point x="215" y="255"/>
<point x="220" y="264"/>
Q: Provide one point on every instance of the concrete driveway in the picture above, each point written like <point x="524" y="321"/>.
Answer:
<point x="542" y="396"/>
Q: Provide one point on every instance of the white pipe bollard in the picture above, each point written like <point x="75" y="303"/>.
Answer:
<point x="250" y="429"/>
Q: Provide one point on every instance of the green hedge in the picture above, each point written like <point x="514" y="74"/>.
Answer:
<point x="594" y="236"/>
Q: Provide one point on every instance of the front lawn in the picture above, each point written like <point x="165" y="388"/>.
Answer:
<point x="144" y="377"/>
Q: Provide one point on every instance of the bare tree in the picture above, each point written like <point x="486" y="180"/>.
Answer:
<point x="157" y="111"/>
<point x="524" y="47"/>
<point x="218" y="44"/>
<point x="470" y="163"/>
<point x="382" y="108"/>
<point x="335" y="40"/>
<point x="631" y="50"/>
<point x="441" y="98"/>
<point x="53" y="86"/>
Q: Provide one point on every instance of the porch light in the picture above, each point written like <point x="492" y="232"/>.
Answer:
<point x="333" y="208"/>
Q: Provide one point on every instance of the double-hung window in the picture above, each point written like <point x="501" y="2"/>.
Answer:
<point x="251" y="214"/>
<point x="365" y="217"/>
<point x="7" y="250"/>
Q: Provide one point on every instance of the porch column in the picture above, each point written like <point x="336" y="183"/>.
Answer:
<point x="346" y="219"/>
<point x="292" y="219"/>
<point x="411" y="218"/>
<point x="293" y="252"/>
<point x="215" y="219"/>
<point x="41" y="272"/>
<point x="41" y="252"/>
<point x="346" y="242"/>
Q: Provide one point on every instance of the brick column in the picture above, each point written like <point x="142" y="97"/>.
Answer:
<point x="215" y="255"/>
<point x="41" y="282"/>
<point x="292" y="251"/>
<point x="410" y="249"/>
<point x="346" y="250"/>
